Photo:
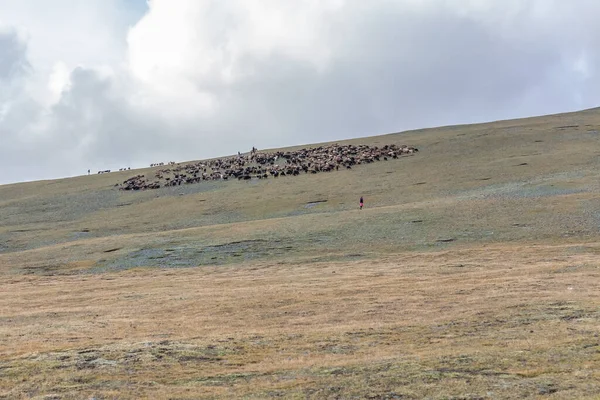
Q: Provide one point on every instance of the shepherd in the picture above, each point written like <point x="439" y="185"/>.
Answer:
<point x="361" y="202"/>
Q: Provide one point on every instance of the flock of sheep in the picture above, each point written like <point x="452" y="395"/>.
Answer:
<point x="262" y="165"/>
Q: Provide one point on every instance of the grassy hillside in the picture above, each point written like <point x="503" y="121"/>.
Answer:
<point x="470" y="272"/>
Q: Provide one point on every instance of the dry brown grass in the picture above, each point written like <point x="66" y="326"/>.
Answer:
<point x="502" y="321"/>
<point x="467" y="276"/>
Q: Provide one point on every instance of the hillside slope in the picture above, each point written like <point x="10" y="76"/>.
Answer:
<point x="472" y="273"/>
<point x="532" y="179"/>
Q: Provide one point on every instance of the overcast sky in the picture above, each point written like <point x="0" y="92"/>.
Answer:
<point x="104" y="84"/>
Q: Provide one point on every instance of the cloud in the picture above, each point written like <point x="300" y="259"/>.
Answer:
<point x="15" y="107"/>
<point x="190" y="79"/>
<point x="13" y="61"/>
<point x="327" y="70"/>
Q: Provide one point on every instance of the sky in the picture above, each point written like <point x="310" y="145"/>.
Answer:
<point x="105" y="84"/>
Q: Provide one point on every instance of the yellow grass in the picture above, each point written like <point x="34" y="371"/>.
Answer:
<point x="466" y="319"/>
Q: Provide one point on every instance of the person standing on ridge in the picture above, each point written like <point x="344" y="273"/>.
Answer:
<point x="361" y="202"/>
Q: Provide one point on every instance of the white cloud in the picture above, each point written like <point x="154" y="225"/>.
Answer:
<point x="186" y="51"/>
<point x="87" y="85"/>
<point x="59" y="80"/>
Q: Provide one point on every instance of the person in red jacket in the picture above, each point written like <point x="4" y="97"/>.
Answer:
<point x="361" y="202"/>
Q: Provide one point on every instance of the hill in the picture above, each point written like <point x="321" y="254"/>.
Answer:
<point x="471" y="272"/>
